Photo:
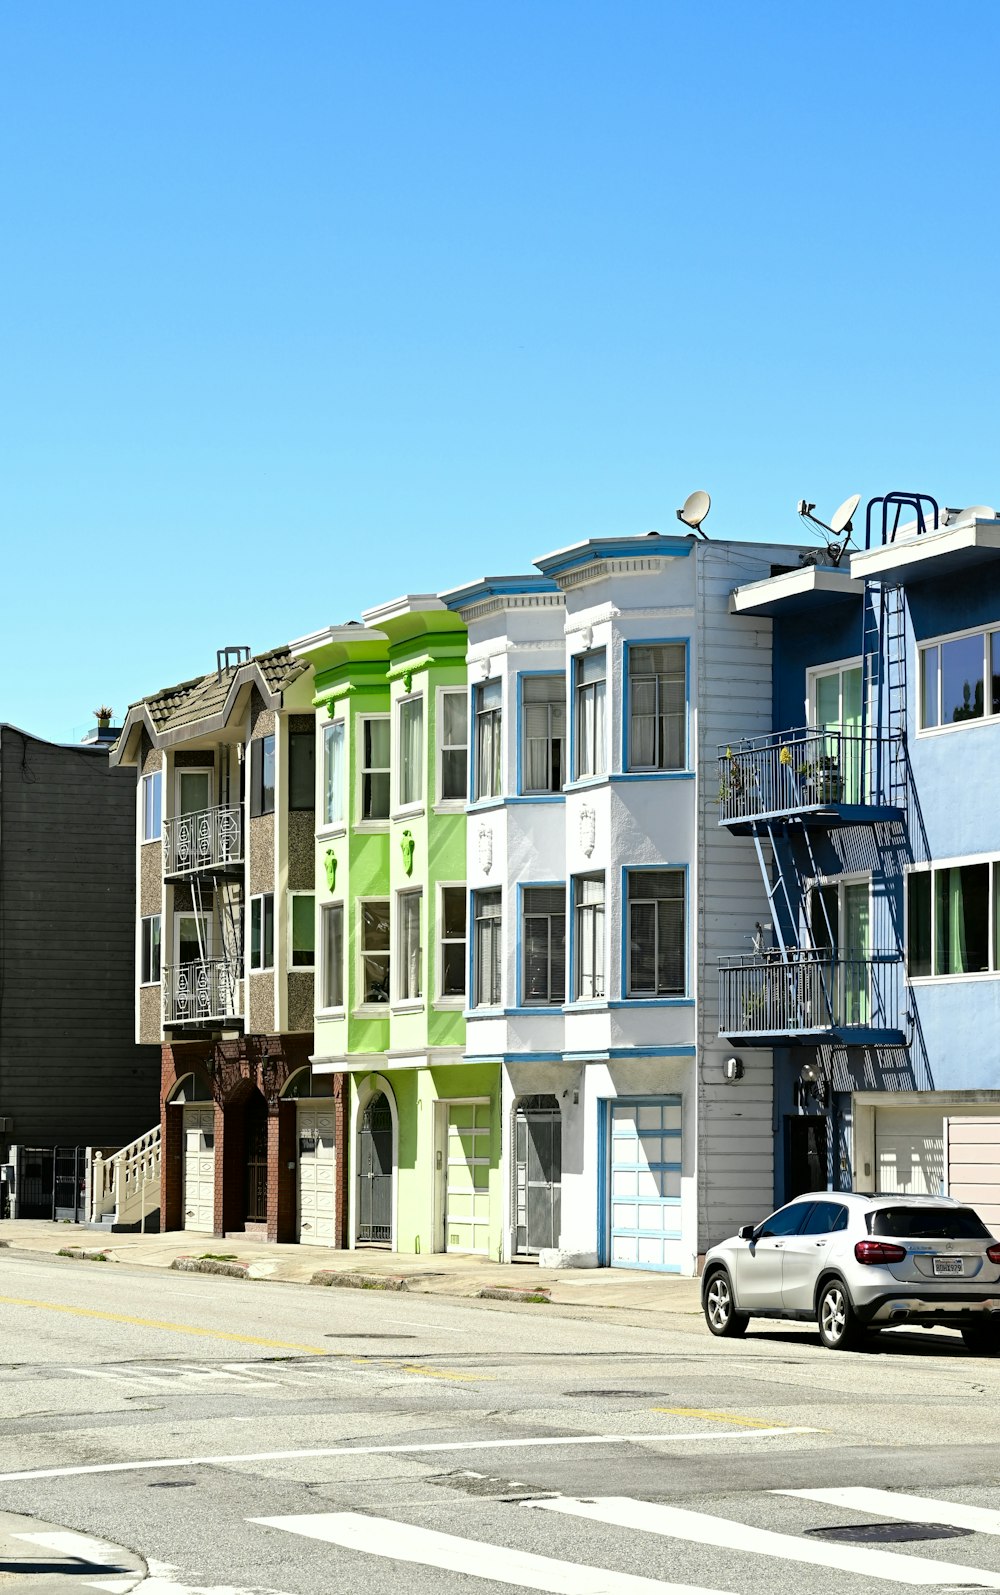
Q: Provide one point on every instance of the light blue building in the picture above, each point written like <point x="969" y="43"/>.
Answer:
<point x="872" y="810"/>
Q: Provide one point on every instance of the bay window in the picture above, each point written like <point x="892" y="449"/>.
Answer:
<point x="543" y="939"/>
<point x="409" y="960"/>
<point x="589" y="710"/>
<point x="656" y="935"/>
<point x="333" y="773"/>
<point x="489" y="737"/>
<point x="411" y="751"/>
<point x="588" y="932"/>
<point x="543" y="733"/>
<point x="657" y="706"/>
<point x="488" y="950"/>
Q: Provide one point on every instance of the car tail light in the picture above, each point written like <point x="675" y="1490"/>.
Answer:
<point x="879" y="1252"/>
<point x="993" y="1253"/>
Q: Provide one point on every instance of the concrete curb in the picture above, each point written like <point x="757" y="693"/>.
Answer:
<point x="540" y="1296"/>
<point x="359" y="1281"/>
<point x="82" y="1254"/>
<point x="210" y="1265"/>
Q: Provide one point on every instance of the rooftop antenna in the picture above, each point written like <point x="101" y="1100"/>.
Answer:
<point x="840" y="525"/>
<point x="693" y="511"/>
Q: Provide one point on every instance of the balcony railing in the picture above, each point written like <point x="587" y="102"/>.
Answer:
<point x="795" y="772"/>
<point x="202" y="992"/>
<point x="206" y="839"/>
<point x="812" y="995"/>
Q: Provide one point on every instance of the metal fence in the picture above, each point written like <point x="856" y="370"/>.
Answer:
<point x="813" y="992"/>
<point x="207" y="839"/>
<point x="788" y="771"/>
<point x="201" y="991"/>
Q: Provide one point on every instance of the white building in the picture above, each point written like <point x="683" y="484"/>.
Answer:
<point x="603" y="890"/>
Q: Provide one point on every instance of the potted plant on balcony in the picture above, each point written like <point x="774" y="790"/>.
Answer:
<point x="103" y="717"/>
<point x="820" y="780"/>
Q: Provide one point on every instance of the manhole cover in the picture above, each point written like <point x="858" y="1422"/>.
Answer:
<point x="889" y="1533"/>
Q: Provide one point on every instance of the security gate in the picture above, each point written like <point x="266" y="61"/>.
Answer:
<point x="537" y="1174"/>
<point x="645" y="1175"/>
<point x="375" y="1173"/>
<point x="36" y="1167"/>
<point x="317" y="1185"/>
<point x="69" y="1195"/>
<point x="256" y="1161"/>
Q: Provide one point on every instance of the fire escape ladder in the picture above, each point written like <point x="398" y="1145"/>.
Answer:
<point x="894" y="633"/>
<point x="787" y="935"/>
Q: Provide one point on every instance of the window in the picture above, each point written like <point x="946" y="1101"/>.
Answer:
<point x="302" y="770"/>
<point x="411" y="751"/>
<point x="543" y="910"/>
<point x="588" y="907"/>
<point x="453" y="910"/>
<point x="152" y="806"/>
<point x="656" y="933"/>
<point x="488" y="702"/>
<point x="410" y="979"/>
<point x="825" y="1218"/>
<point x="375" y="951"/>
<point x="960" y="679"/>
<point x="543" y="733"/>
<point x="262" y="775"/>
<point x="193" y="933"/>
<point x="589" y="730"/>
<point x="949" y="916"/>
<point x="375" y="768"/>
<point x="262" y="931"/>
<point x="785" y="1221"/>
<point x="149" y="964"/>
<point x="332" y="932"/>
<point x="194" y="791"/>
<point x="453" y="740"/>
<point x="488" y="950"/>
<point x="302" y="912"/>
<point x="657" y="698"/>
<point x="333" y="773"/>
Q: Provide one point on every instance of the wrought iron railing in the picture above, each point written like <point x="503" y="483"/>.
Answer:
<point x="787" y="772"/>
<point x="811" y="992"/>
<point x="207" y="839"/>
<point x="202" y="991"/>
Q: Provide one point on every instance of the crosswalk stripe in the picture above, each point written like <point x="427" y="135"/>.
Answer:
<point x="704" y="1529"/>
<point x="908" y="1508"/>
<point x="404" y="1542"/>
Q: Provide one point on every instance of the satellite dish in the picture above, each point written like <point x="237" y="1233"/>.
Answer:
<point x="840" y="520"/>
<point x="696" y="506"/>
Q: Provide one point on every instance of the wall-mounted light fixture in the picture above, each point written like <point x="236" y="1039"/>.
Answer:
<point x="733" y="1070"/>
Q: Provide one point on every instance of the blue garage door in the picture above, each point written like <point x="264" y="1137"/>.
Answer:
<point x="644" y="1205"/>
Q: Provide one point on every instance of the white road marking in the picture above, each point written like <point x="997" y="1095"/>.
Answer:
<point x="704" y="1529"/>
<point x="120" y="1377"/>
<point x="114" y="1586"/>
<point x="403" y="1542"/>
<point x="909" y="1508"/>
<point x="421" y="1323"/>
<point x="397" y="1450"/>
<point x="80" y="1546"/>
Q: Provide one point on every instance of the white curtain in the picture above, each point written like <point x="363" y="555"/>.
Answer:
<point x="411" y="738"/>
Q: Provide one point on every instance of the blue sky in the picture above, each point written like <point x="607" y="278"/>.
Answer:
<point x="305" y="305"/>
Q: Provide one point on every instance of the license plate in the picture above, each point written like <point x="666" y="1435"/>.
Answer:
<point x="949" y="1265"/>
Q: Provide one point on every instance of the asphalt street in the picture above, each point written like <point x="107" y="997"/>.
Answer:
<point x="221" y="1434"/>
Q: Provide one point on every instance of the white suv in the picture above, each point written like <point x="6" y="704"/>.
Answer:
<point x="852" y="1263"/>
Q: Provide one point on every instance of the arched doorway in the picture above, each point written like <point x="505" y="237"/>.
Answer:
<point x="374" y="1194"/>
<point x="255" y="1158"/>
<point x="537" y="1175"/>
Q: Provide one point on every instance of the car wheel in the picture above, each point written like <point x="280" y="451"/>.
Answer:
<point x="982" y="1339"/>
<point x="838" y="1323"/>
<point x="720" y="1312"/>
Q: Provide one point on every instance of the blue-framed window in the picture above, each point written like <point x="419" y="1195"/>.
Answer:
<point x="487" y="949"/>
<point x="543" y="733"/>
<point x="590" y="733"/>
<point x="656" y="952"/>
<point x="543" y="945"/>
<point x="488" y="764"/>
<point x="589" y="955"/>
<point x="657" y="706"/>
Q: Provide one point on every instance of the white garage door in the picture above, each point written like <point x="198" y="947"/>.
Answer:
<point x="199" y="1168"/>
<point x="645" y="1173"/>
<point x="317" y="1167"/>
<point x="909" y="1150"/>
<point x="467" y="1188"/>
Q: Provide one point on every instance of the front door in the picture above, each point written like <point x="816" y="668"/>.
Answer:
<point x="192" y="836"/>
<point x="805" y="1154"/>
<point x="316" y="1174"/>
<point x="538" y="1174"/>
<point x="375" y="1173"/>
<point x="199" y="1168"/>
<point x="837" y="699"/>
<point x="35" y="1187"/>
<point x="256" y="1161"/>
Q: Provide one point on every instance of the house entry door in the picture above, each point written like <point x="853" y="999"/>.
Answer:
<point x="256" y="1161"/>
<point x="375" y="1173"/>
<point x="537" y="1174"/>
<point x="199" y="1166"/>
<point x="317" y="1168"/>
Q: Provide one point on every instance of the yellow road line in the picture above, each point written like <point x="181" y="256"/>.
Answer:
<point x="157" y="1323"/>
<point x="721" y="1417"/>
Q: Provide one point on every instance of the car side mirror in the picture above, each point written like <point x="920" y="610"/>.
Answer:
<point x="746" y="1232"/>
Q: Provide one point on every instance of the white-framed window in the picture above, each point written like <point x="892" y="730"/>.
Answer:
<point x="656" y="936"/>
<point x="375" y="740"/>
<point x="488" y="949"/>
<point x="543" y="945"/>
<point x="332" y="948"/>
<point x="194" y="791"/>
<point x="588" y="938"/>
<point x="192" y="937"/>
<point x="451" y="961"/>
<point x="373" y="944"/>
<point x="590" y="729"/>
<point x="334" y="743"/>
<point x="657" y="705"/>
<point x="152" y="806"/>
<point x="453" y="745"/>
<point x="411" y="750"/>
<point x="959" y="678"/>
<point x="262" y="931"/>
<point x="409" y="962"/>
<point x="301" y="930"/>
<point x="543" y="733"/>
<point x="953" y="919"/>
<point x="149" y="956"/>
<point x="488" y="699"/>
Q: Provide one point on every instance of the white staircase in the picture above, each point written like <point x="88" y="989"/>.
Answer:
<point x="125" y="1188"/>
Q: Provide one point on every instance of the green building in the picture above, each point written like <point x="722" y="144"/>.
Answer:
<point x="420" y="1144"/>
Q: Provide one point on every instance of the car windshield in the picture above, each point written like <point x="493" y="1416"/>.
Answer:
<point x="928" y="1223"/>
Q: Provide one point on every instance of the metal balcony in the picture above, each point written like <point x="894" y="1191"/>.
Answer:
<point x="812" y="997"/>
<point x="208" y="839"/>
<point x="829" y="777"/>
<point x="201" y="993"/>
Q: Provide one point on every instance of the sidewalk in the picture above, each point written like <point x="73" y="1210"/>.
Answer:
<point x="439" y="1274"/>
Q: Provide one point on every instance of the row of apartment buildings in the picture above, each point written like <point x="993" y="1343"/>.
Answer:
<point x="589" y="912"/>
